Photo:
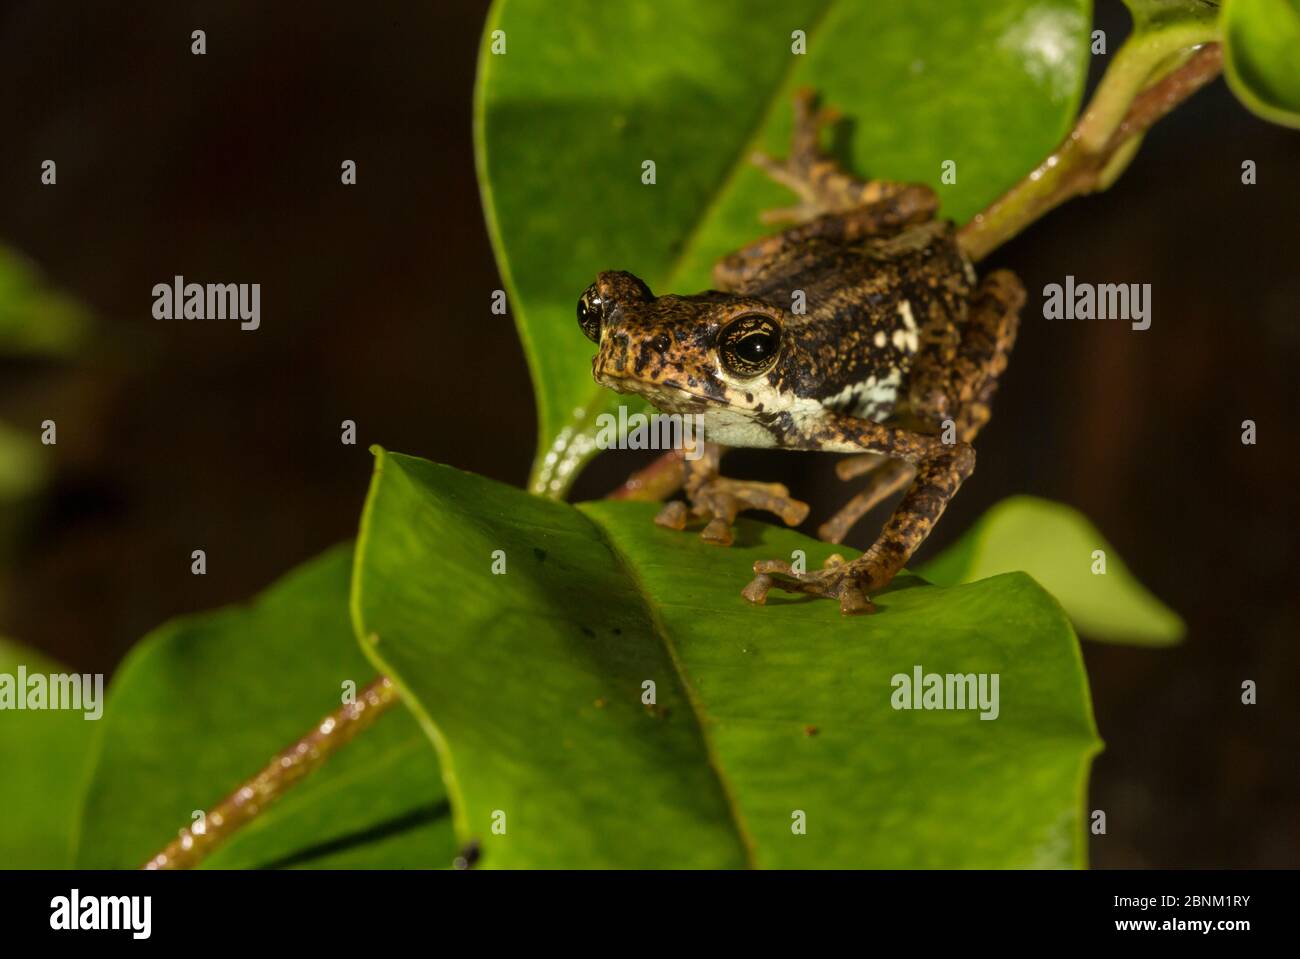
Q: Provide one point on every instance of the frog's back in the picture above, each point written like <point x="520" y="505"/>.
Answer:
<point x="920" y="264"/>
<point x="870" y="308"/>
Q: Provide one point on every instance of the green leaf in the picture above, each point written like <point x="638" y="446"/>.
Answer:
<point x="1261" y="40"/>
<point x="203" y="703"/>
<point x="587" y="91"/>
<point x="1157" y="14"/>
<point x="531" y="683"/>
<point x="1054" y="544"/>
<point x="43" y="754"/>
<point x="35" y="320"/>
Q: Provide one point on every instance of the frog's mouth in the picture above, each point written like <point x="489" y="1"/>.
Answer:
<point x="667" y="397"/>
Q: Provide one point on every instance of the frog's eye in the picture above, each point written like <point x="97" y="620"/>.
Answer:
<point x="591" y="311"/>
<point x="747" y="346"/>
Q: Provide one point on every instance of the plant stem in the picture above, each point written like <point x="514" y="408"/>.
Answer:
<point x="1092" y="156"/>
<point x="660" y="479"/>
<point x="285" y="770"/>
<point x="1137" y="63"/>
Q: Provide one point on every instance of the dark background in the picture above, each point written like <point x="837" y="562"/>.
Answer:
<point x="175" y="436"/>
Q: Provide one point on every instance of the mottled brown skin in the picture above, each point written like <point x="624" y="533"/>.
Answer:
<point x="895" y="356"/>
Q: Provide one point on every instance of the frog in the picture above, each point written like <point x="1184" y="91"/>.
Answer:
<point x="860" y="328"/>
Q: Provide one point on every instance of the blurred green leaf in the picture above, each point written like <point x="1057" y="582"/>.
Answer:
<point x="1153" y="14"/>
<point x="1261" y="41"/>
<point x="204" y="703"/>
<point x="33" y="319"/>
<point x="587" y="91"/>
<point x="1054" y="544"/>
<point x="21" y="469"/>
<point x="43" y="755"/>
<point x="531" y="683"/>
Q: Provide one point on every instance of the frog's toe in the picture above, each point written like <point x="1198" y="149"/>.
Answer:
<point x="810" y="117"/>
<point x="672" y="516"/>
<point x="778" y="170"/>
<point x="756" y="592"/>
<point x="839" y="580"/>
<point x="854" y="602"/>
<point x="783" y="577"/>
<point x="774" y="567"/>
<point x="726" y="498"/>
<point x="719" y="500"/>
<point x="718" y="532"/>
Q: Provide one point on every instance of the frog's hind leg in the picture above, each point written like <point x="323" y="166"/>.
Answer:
<point x="822" y="185"/>
<point x="987" y="339"/>
<point x="964" y="396"/>
<point x="937" y="470"/>
<point x="719" y="499"/>
<point x="885" y="477"/>
<point x="960" y="390"/>
<point x="836" y="207"/>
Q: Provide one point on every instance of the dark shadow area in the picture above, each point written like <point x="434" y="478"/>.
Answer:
<point x="384" y="830"/>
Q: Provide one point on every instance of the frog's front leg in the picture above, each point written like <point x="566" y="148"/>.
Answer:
<point x="720" y="499"/>
<point x="940" y="470"/>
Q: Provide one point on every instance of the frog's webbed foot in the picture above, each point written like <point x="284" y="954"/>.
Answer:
<point x="852" y="583"/>
<point x="821" y="184"/>
<point x="796" y="171"/>
<point x="720" y="500"/>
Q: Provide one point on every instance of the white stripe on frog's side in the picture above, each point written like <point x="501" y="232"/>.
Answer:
<point x="868" y="397"/>
<point x="740" y="423"/>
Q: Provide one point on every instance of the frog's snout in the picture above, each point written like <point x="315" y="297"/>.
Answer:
<point x="610" y="364"/>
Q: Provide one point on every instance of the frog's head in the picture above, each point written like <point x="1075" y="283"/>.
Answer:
<point x="682" y="353"/>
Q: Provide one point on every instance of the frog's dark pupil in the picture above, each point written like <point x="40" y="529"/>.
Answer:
<point x="755" y="348"/>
